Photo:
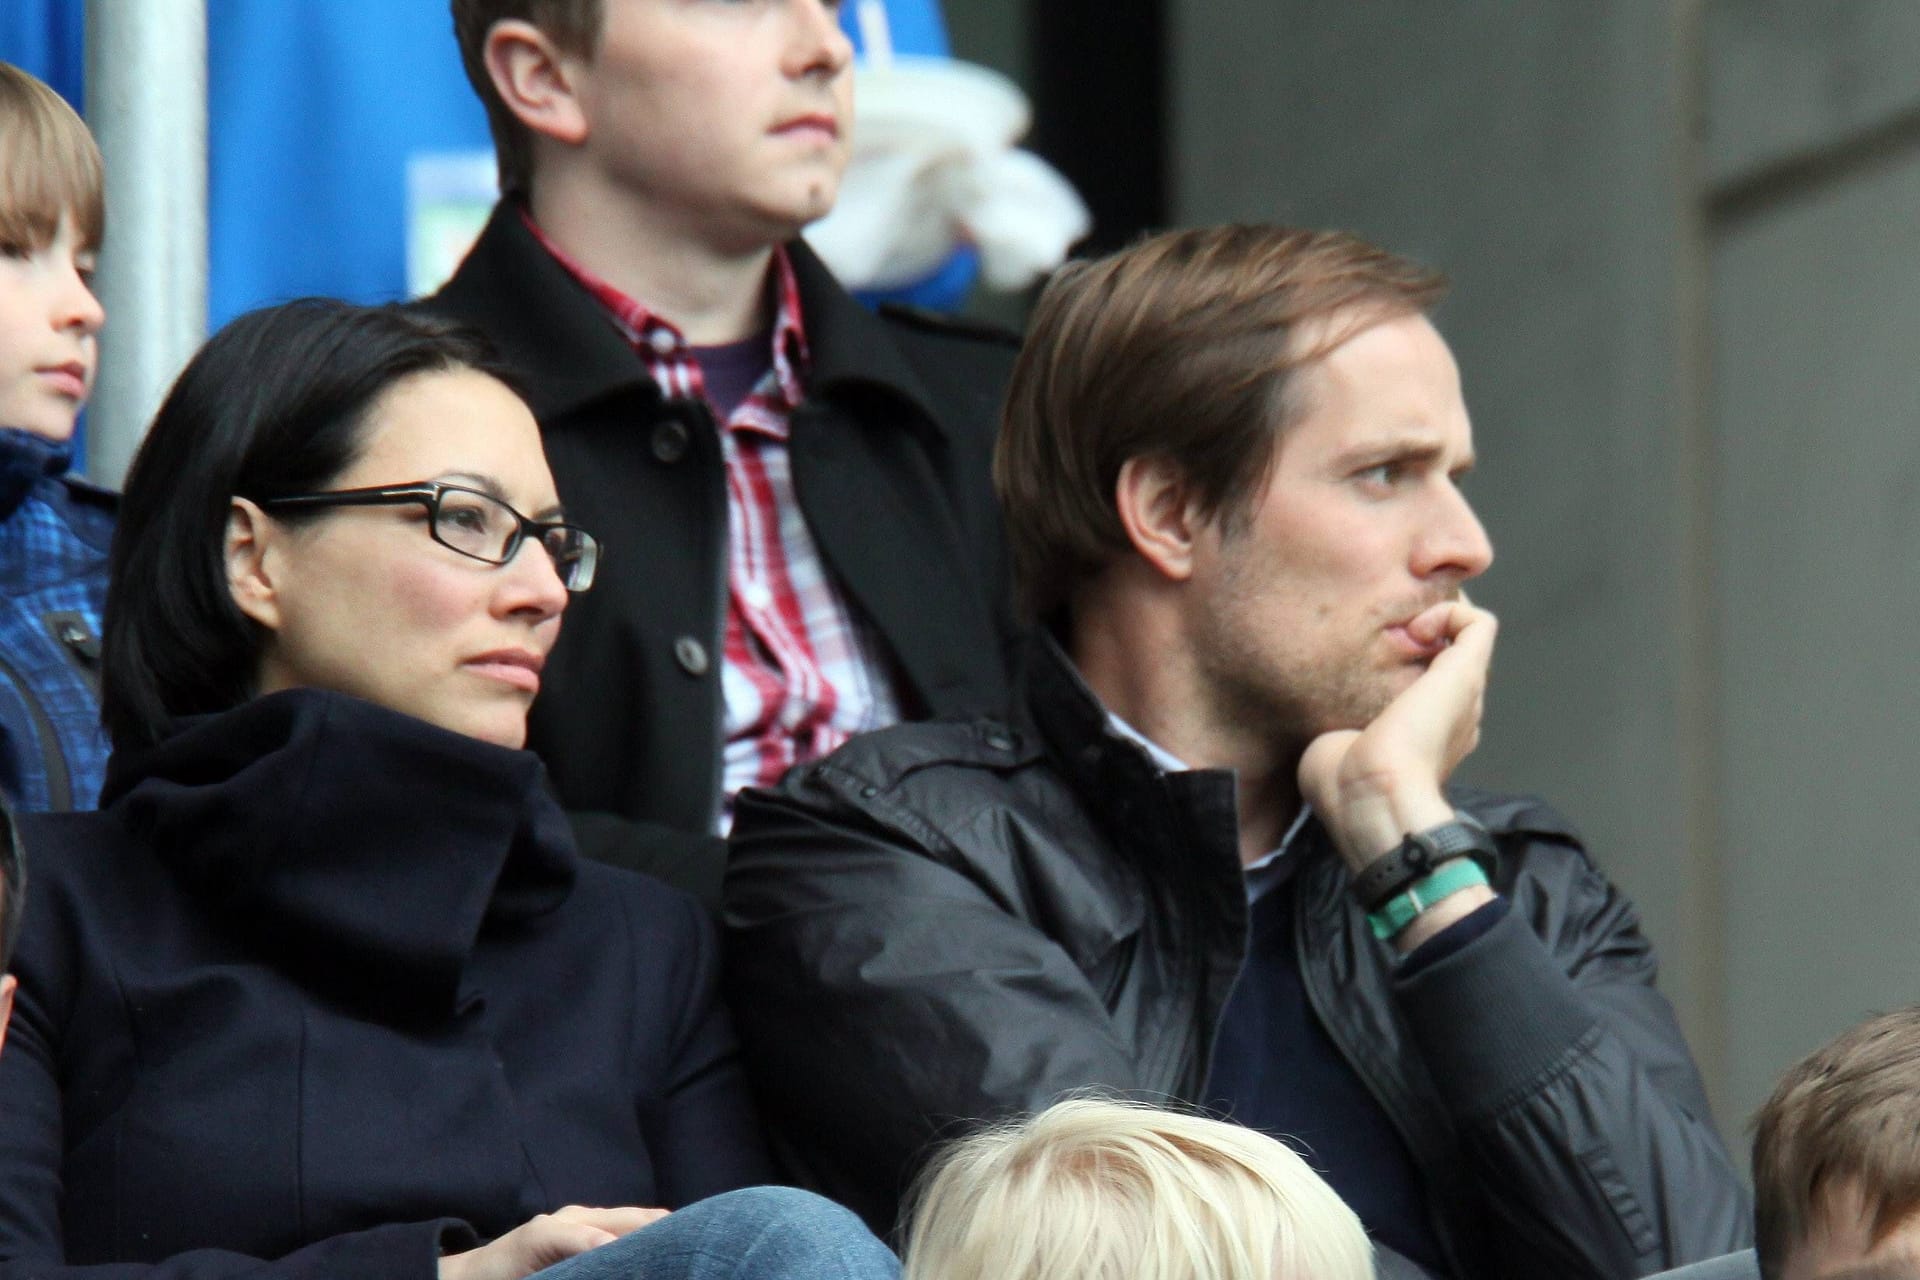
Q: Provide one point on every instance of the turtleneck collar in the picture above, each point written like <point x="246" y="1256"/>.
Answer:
<point x="25" y="460"/>
<point x="364" y="850"/>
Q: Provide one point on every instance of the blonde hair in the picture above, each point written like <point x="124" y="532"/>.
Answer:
<point x="1092" y="1189"/>
<point x="49" y="166"/>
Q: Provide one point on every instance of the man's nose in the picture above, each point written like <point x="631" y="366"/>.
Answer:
<point x="1456" y="543"/>
<point x="819" y="44"/>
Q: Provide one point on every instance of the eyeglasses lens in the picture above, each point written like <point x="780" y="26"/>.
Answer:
<point x="475" y="525"/>
<point x="487" y="529"/>
<point x="575" y="556"/>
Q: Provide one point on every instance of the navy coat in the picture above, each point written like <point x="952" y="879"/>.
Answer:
<point x="327" y="986"/>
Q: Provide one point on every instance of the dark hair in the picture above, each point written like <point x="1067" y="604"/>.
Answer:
<point x="572" y="25"/>
<point x="273" y="404"/>
<point x="1182" y="346"/>
<point x="1843" y="1114"/>
<point x="13" y="885"/>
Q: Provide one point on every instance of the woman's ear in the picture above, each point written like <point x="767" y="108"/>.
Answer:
<point x="535" y="80"/>
<point x="1157" y="510"/>
<point x="249" y="575"/>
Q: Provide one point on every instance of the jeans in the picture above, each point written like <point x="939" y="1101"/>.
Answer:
<point x="758" y="1233"/>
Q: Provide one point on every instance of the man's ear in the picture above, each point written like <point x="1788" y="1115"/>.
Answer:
<point x="249" y="576"/>
<point x="535" y="79"/>
<point x="1158" y="511"/>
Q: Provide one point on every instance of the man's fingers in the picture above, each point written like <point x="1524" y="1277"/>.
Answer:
<point x="1467" y="631"/>
<point x="1446" y="621"/>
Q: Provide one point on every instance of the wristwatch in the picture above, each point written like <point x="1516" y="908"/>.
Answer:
<point x="1419" y="856"/>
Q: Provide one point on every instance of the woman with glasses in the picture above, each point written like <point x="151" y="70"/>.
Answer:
<point x="324" y="989"/>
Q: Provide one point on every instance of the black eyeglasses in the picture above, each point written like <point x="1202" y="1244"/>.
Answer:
<point x="473" y="523"/>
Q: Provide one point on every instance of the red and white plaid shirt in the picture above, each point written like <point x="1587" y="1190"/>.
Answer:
<point x="800" y="674"/>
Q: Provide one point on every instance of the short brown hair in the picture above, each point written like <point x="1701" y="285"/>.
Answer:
<point x="573" y="25"/>
<point x="1181" y="346"/>
<point x="1848" y="1113"/>
<point x="49" y="166"/>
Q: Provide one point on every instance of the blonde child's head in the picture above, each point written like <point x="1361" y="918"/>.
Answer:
<point x="1100" y="1190"/>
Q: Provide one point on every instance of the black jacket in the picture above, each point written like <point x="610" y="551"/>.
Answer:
<point x="952" y="921"/>
<point x="324" y="990"/>
<point x="890" y="456"/>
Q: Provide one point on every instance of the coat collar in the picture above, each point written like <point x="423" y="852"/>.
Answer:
<point x="1140" y="806"/>
<point x="366" y="851"/>
<point x="559" y="337"/>
<point x="851" y="346"/>
<point x="27" y="461"/>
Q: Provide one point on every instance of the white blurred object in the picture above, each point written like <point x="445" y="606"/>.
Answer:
<point x="934" y="167"/>
<point x="449" y="197"/>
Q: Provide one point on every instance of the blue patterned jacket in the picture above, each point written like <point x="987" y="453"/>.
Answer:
<point x="54" y="532"/>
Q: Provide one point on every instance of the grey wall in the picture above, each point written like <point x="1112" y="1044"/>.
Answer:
<point x="1687" y="260"/>
<point x="1529" y="150"/>
<point x="1814" y="157"/>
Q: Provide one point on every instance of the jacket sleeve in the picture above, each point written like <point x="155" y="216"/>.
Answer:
<point x="702" y="1130"/>
<point x="1577" y="1105"/>
<point x="885" y="998"/>
<point x="32" y="1143"/>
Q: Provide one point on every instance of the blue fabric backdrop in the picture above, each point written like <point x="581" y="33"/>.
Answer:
<point x="314" y="107"/>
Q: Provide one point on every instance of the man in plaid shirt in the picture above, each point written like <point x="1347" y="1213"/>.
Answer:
<point x="801" y="537"/>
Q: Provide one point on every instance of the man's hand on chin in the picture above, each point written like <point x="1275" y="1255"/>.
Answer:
<point x="1375" y="786"/>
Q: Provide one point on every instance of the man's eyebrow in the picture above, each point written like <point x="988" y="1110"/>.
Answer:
<point x="1406" y="448"/>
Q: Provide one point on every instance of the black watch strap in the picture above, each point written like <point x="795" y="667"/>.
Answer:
<point x="1418" y="856"/>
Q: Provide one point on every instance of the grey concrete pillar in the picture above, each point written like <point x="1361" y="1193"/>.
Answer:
<point x="147" y="105"/>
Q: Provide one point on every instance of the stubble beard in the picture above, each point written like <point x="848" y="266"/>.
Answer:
<point x="1279" y="688"/>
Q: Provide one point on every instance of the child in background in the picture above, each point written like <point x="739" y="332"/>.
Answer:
<point x="54" y="529"/>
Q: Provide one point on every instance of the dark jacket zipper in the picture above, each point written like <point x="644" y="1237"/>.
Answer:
<point x="1361" y="1065"/>
<point x="723" y="581"/>
<point x="59" y="781"/>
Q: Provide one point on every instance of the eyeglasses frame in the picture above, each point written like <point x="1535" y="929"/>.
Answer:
<point x="428" y="493"/>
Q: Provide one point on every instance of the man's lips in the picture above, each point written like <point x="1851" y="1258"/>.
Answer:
<point x="1411" y="645"/>
<point x="1401" y="635"/>
<point x="69" y="379"/>
<point x="819" y="123"/>
<point x="517" y="667"/>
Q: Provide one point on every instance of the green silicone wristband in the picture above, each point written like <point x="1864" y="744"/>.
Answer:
<point x="1397" y="913"/>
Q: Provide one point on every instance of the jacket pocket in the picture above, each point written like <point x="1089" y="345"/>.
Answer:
<point x="1605" y="1171"/>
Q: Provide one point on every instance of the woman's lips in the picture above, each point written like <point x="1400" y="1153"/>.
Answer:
<point x="521" y="670"/>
